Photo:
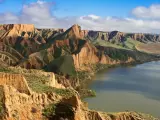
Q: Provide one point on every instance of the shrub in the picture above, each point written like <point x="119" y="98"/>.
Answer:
<point x="58" y="110"/>
<point x="1" y="109"/>
<point x="33" y="110"/>
<point x="1" y="103"/>
<point x="49" y="111"/>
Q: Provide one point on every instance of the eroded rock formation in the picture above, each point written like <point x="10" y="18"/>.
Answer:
<point x="20" y="102"/>
<point x="15" y="80"/>
<point x="28" y="47"/>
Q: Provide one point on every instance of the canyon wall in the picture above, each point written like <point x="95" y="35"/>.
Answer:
<point x="120" y="36"/>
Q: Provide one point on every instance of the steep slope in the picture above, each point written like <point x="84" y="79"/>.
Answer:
<point x="18" y="41"/>
<point x="71" y="42"/>
<point x="25" y="38"/>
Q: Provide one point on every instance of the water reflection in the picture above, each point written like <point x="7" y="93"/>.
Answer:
<point x="128" y="88"/>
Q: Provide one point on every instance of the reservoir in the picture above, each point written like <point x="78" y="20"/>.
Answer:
<point x="133" y="88"/>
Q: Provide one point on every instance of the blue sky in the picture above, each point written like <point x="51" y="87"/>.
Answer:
<point x="120" y="8"/>
<point x="138" y="15"/>
<point x="100" y="7"/>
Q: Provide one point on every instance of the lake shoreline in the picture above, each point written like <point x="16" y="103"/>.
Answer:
<point x="86" y="93"/>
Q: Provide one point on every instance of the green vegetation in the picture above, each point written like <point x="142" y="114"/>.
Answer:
<point x="85" y="75"/>
<point x="117" y="55"/>
<point x="82" y="75"/>
<point x="23" y="33"/>
<point x="49" y="111"/>
<point x="19" y="47"/>
<point x="36" y="81"/>
<point x="1" y="102"/>
<point x="86" y="93"/>
<point x="6" y="70"/>
<point x="62" y="65"/>
<point x="108" y="44"/>
<point x="97" y="67"/>
<point x="131" y="44"/>
<point x="127" y="43"/>
<point x="58" y="110"/>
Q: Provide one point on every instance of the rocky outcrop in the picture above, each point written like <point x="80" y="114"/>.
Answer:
<point x="15" y="80"/>
<point x="25" y="107"/>
<point x="116" y="35"/>
<point x="49" y="81"/>
<point x="17" y="29"/>
<point x="95" y="35"/>
<point x="87" y="55"/>
<point x="20" y="102"/>
<point x="106" y="36"/>
<point x="76" y="32"/>
<point x="84" y="33"/>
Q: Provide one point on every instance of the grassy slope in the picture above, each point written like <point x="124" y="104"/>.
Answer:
<point x="107" y="44"/>
<point x="36" y="80"/>
<point x="128" y="44"/>
<point x="131" y="44"/>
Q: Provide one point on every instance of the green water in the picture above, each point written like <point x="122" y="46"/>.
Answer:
<point x="135" y="88"/>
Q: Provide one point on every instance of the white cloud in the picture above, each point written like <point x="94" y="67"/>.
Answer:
<point x="121" y="24"/>
<point x="6" y="18"/>
<point x="94" y="16"/>
<point x="37" y="10"/>
<point x="40" y="2"/>
<point x="152" y="12"/>
<point x="39" y="14"/>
